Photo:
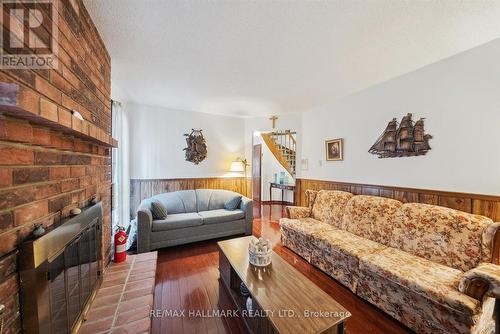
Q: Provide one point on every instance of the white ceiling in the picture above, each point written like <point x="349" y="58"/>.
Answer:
<point x="256" y="58"/>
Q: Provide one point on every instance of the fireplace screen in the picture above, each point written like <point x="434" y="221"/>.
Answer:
<point x="60" y="271"/>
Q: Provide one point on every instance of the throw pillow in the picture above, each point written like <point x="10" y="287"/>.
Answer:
<point x="158" y="210"/>
<point x="233" y="203"/>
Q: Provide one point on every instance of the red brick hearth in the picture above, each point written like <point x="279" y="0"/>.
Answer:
<point x="124" y="301"/>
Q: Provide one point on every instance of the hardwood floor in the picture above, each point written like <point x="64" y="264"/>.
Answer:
<point x="187" y="279"/>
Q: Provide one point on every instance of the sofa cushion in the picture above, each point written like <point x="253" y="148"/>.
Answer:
<point x="221" y="216"/>
<point x="297" y="234"/>
<point x="233" y="203"/>
<point x="213" y="199"/>
<point x="338" y="252"/>
<point x="175" y="221"/>
<point x="450" y="237"/>
<point x="183" y="201"/>
<point x="305" y="226"/>
<point x="418" y="312"/>
<point x="329" y="206"/>
<point x="158" y="210"/>
<point x="343" y="244"/>
<point x="371" y="217"/>
<point x="432" y="280"/>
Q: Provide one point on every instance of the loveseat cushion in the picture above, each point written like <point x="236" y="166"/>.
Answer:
<point x="431" y="280"/>
<point x="182" y="201"/>
<point x="450" y="237"/>
<point x="158" y="210"/>
<point x="221" y="216"/>
<point x="213" y="199"/>
<point x="176" y="221"/>
<point x="233" y="203"/>
<point x="371" y="217"/>
<point x="329" y="206"/>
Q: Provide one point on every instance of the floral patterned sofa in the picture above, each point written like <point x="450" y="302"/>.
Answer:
<point x="430" y="267"/>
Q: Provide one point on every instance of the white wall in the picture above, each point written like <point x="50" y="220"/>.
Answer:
<point x="459" y="96"/>
<point x="270" y="165"/>
<point x="157" y="142"/>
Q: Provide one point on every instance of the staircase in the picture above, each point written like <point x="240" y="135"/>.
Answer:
<point x="282" y="145"/>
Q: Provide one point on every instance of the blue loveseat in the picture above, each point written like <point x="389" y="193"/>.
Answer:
<point x="192" y="215"/>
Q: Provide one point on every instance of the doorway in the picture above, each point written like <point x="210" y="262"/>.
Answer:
<point x="274" y="166"/>
<point x="257" y="173"/>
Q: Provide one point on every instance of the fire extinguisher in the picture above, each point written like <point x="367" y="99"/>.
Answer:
<point x="120" y="244"/>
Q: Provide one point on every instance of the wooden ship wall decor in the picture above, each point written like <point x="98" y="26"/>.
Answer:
<point x="196" y="150"/>
<point x="407" y="139"/>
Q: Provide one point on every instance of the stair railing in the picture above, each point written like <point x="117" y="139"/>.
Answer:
<point x="286" y="145"/>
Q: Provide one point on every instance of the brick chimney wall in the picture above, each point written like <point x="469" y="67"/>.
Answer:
<point x="46" y="171"/>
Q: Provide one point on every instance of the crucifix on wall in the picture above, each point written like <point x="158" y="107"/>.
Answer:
<point x="274" y="118"/>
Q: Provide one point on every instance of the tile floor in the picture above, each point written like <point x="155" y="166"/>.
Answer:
<point x="125" y="298"/>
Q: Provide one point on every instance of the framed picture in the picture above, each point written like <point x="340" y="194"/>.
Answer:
<point x="334" y="150"/>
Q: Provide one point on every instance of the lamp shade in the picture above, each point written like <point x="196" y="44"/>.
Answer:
<point x="236" y="166"/>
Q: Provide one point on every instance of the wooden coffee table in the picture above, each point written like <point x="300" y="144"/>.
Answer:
<point x="284" y="300"/>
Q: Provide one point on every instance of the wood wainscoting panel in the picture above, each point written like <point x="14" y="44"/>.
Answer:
<point x="486" y="205"/>
<point x="428" y="199"/>
<point x="486" y="208"/>
<point x="405" y="196"/>
<point x="462" y="203"/>
<point x="144" y="188"/>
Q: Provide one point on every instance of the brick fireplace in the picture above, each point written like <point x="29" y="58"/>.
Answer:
<point x="50" y="161"/>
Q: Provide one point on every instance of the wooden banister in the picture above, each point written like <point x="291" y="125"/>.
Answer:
<point x="282" y="145"/>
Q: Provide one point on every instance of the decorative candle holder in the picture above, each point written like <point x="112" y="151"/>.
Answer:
<point x="260" y="252"/>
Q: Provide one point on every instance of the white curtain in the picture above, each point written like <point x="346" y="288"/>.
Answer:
<point x="120" y="170"/>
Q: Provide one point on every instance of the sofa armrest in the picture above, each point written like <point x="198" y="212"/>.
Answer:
<point x="247" y="207"/>
<point x="144" y="224"/>
<point x="484" y="280"/>
<point x="296" y="212"/>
